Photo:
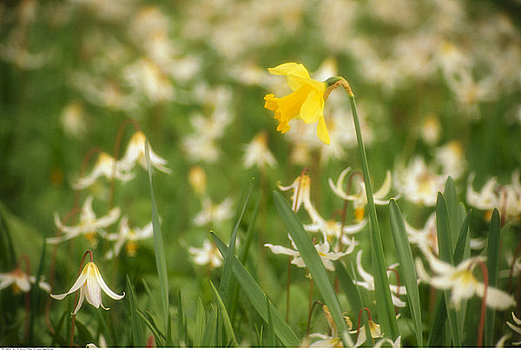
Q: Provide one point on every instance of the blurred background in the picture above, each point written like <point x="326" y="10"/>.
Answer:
<point x="435" y="79"/>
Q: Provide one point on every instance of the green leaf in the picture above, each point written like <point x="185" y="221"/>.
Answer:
<point x="270" y="331"/>
<point x="151" y="324"/>
<point x="210" y="331"/>
<point x="353" y="296"/>
<point x="436" y="336"/>
<point x="180" y="321"/>
<point x="8" y="255"/>
<point x="314" y="264"/>
<point x="138" y="333"/>
<point x="200" y="323"/>
<point x="226" y="319"/>
<point x="225" y="286"/>
<point x="243" y="254"/>
<point x="258" y="299"/>
<point x="407" y="267"/>
<point x="35" y="290"/>
<point x="57" y="339"/>
<point x="493" y="271"/>
<point x="159" y="251"/>
<point x="446" y="254"/>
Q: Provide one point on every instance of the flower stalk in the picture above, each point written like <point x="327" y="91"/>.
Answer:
<point x="383" y="293"/>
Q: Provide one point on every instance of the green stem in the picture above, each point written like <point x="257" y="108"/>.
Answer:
<point x="383" y="294"/>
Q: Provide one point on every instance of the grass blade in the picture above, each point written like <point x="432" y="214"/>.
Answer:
<point x="493" y="271"/>
<point x="249" y="234"/>
<point x="407" y="267"/>
<point x="314" y="264"/>
<point x="209" y="331"/>
<point x="353" y="296"/>
<point x="180" y="321"/>
<point x="225" y="318"/>
<point x="272" y="342"/>
<point x="446" y="254"/>
<point x="151" y="324"/>
<point x="225" y="286"/>
<point x="159" y="250"/>
<point x="258" y="299"/>
<point x="138" y="334"/>
<point x="200" y="322"/>
<point x="35" y="300"/>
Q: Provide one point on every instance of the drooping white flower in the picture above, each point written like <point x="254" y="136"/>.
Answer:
<point x="516" y="328"/>
<point x="451" y="158"/>
<point x="129" y="236"/>
<point x="21" y="281"/>
<point x="197" y="179"/>
<point x="462" y="283"/>
<point x="430" y="130"/>
<point x="322" y="249"/>
<point x="208" y="254"/>
<point x="301" y="192"/>
<point x="135" y="153"/>
<point x="214" y="213"/>
<point x="368" y="282"/>
<point x="360" y="198"/>
<point x="88" y="224"/>
<point x="257" y="152"/>
<point x="104" y="167"/>
<point x="333" y="229"/>
<point x="90" y="283"/>
<point x="418" y="183"/>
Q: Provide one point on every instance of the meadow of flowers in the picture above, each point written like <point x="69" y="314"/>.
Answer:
<point x="288" y="173"/>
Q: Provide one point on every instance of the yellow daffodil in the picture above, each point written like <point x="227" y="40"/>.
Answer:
<point x="90" y="283"/>
<point x="306" y="102"/>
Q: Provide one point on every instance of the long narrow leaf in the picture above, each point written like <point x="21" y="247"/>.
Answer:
<point x="493" y="271"/>
<point x="200" y="323"/>
<point x="210" y="330"/>
<point x="159" y="249"/>
<point x="224" y="314"/>
<point x="258" y="299"/>
<point x="225" y="286"/>
<point x="138" y="334"/>
<point x="314" y="264"/>
<point x="270" y="331"/>
<point x="151" y="324"/>
<point x="446" y="254"/>
<point x="403" y="250"/>
<point x="353" y="296"/>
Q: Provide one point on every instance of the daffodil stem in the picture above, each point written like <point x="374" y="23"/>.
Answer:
<point x="384" y="305"/>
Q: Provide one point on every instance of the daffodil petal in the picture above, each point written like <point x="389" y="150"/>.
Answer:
<point x="312" y="108"/>
<point x="322" y="133"/>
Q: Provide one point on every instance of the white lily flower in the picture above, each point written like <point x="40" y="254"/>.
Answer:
<point x="129" y="236"/>
<point x="21" y="281"/>
<point x="462" y="283"/>
<point x="451" y="158"/>
<point x="135" y="153"/>
<point x="368" y="282"/>
<point x="90" y="283"/>
<point x="516" y="328"/>
<point x="104" y="168"/>
<point x="257" y="152"/>
<point x="88" y="224"/>
<point x="333" y="229"/>
<point x="395" y="344"/>
<point x="430" y="130"/>
<point x="333" y="340"/>
<point x="426" y="238"/>
<point x="506" y="198"/>
<point x="301" y="192"/>
<point x="360" y="197"/>
<point x="418" y="183"/>
<point x="197" y="179"/>
<point x="214" y="213"/>
<point x="208" y="254"/>
<point x="322" y="249"/>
